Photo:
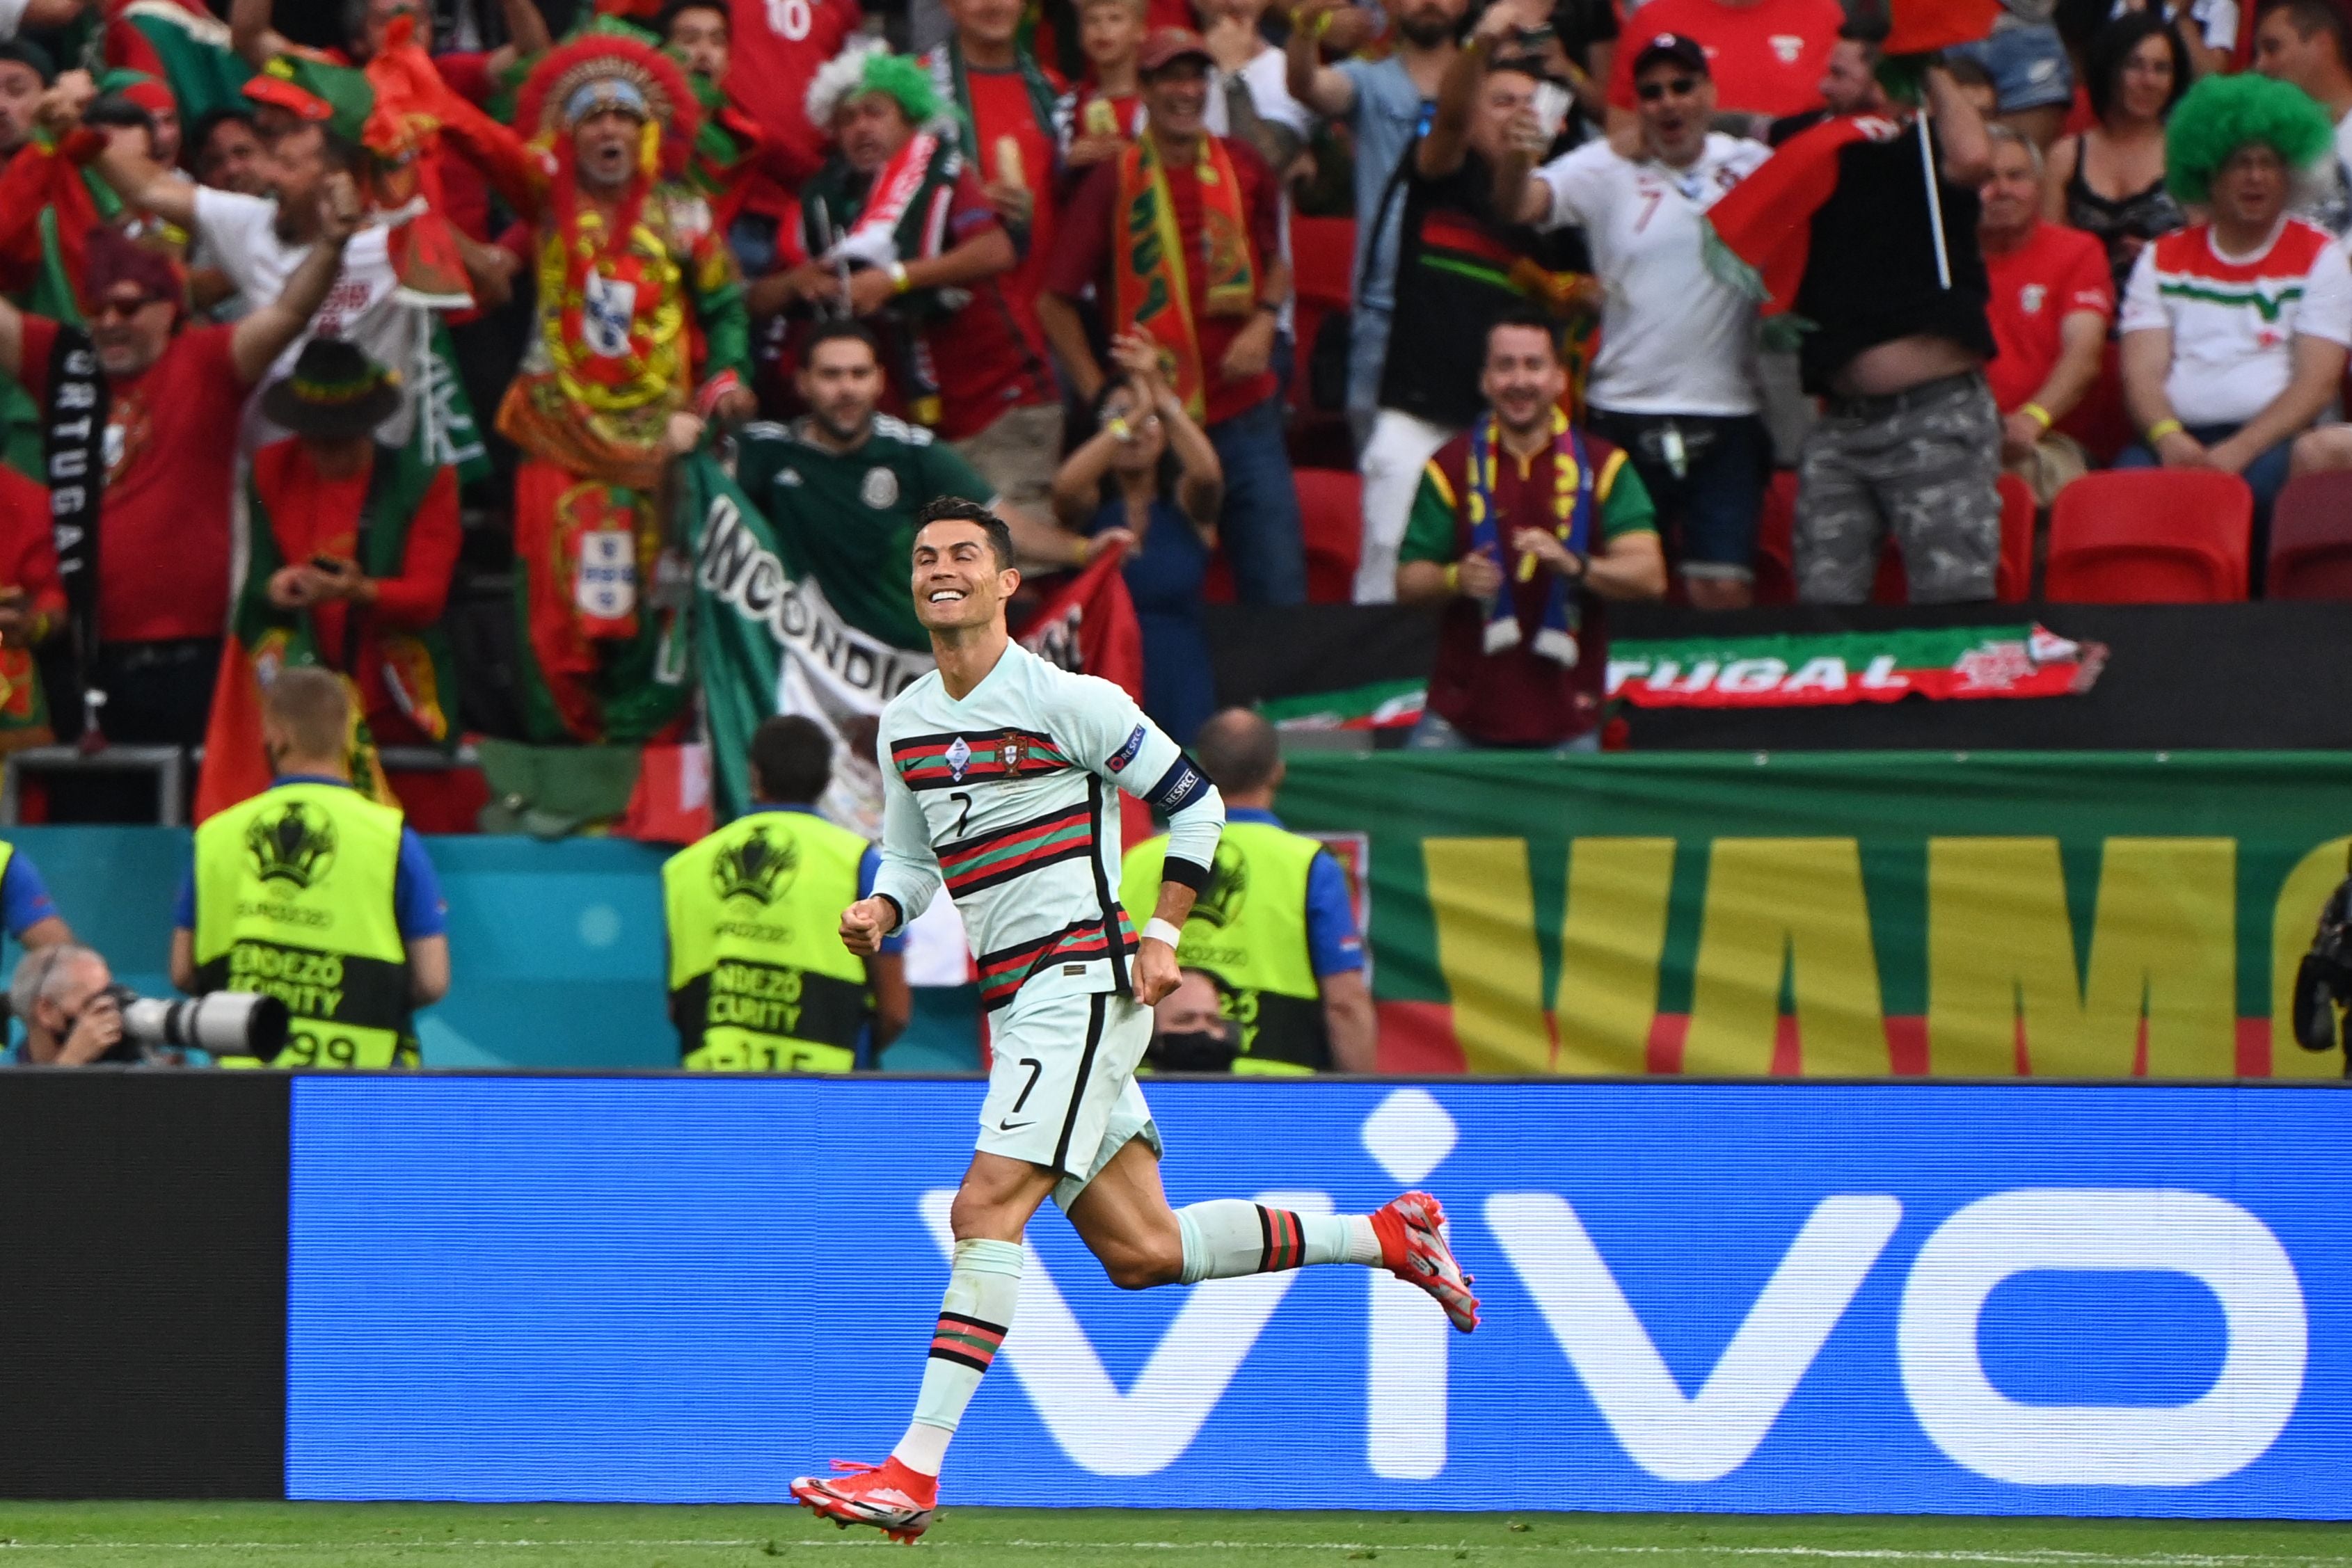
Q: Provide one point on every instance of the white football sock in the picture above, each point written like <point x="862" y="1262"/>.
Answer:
<point x="1228" y="1236"/>
<point x="983" y="1285"/>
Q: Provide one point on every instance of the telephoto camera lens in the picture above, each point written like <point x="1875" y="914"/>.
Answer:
<point x="226" y="1023"/>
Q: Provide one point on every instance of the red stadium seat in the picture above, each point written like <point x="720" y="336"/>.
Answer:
<point x="1331" y="512"/>
<point x="2146" y="536"/>
<point x="1322" y="258"/>
<point x="2013" y="576"/>
<point x="2311" y="539"/>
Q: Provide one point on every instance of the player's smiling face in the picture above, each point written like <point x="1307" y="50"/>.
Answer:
<point x="958" y="583"/>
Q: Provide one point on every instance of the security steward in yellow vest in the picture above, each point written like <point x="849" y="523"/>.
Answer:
<point x="759" y="981"/>
<point x="1276" y="927"/>
<point x="314" y="894"/>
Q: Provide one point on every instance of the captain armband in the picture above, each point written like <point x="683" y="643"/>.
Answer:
<point x="1185" y="874"/>
<point x="1180" y="786"/>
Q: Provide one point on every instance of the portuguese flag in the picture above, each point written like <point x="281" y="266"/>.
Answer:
<point x="186" y="45"/>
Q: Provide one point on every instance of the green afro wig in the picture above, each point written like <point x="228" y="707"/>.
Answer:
<point x="2223" y="113"/>
<point x="866" y="65"/>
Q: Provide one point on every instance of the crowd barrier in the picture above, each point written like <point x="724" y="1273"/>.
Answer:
<point x="2019" y="1299"/>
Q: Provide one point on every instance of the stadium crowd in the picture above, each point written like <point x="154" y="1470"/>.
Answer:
<point x="300" y="332"/>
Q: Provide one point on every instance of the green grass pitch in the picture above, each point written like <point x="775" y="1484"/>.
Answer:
<point x="313" y="1535"/>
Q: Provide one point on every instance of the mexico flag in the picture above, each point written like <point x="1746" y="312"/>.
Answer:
<point x="766" y="643"/>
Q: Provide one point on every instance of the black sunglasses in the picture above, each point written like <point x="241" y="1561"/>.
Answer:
<point x="1681" y="86"/>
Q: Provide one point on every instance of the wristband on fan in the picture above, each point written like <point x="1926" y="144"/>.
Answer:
<point x="1453" y="577"/>
<point x="2038" y="414"/>
<point x="1158" y="930"/>
<point x="2164" y="427"/>
<point x="899" y="281"/>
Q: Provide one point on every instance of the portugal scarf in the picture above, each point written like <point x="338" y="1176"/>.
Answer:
<point x="1152" y="275"/>
<point x="1574" y="484"/>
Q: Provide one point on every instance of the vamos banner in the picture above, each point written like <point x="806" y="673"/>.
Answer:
<point x="1840" y="915"/>
<point x="2124" y="1300"/>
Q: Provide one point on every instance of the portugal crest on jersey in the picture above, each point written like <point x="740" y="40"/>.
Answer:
<point x="755" y="869"/>
<point x="290" y="847"/>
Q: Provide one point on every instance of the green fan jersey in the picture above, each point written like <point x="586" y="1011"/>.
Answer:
<point x="847" y="518"/>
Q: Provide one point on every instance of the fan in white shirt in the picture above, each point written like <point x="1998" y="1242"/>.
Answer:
<point x="1675" y="383"/>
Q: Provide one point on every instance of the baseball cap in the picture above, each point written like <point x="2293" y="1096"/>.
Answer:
<point x="336" y="97"/>
<point x="1166" y="46"/>
<point x="1671" y="48"/>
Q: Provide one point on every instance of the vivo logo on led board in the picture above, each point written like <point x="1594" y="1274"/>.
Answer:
<point x="1922" y="1298"/>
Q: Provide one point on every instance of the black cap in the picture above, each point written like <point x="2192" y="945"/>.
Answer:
<point x="1671" y="48"/>
<point x="25" y="52"/>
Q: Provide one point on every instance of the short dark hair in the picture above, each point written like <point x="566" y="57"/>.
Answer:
<point x="116" y="110"/>
<point x="955" y="509"/>
<point x="676" y="8"/>
<point x="2313" y="16"/>
<point x="836" y="331"/>
<point x="792" y="758"/>
<point x="1868" y="24"/>
<point x="1527" y="318"/>
<point x="340" y="152"/>
<point x="200" y="134"/>
<point x="1238" y="749"/>
<point x="2114" y="45"/>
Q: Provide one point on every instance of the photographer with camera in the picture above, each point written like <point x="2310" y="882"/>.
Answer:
<point x="2322" y="981"/>
<point x="315" y="895"/>
<point x="65" y="996"/>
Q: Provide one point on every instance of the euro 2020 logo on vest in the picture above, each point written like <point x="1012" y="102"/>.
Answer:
<point x="293" y="846"/>
<point x="1220" y="902"/>
<point x="755" y="869"/>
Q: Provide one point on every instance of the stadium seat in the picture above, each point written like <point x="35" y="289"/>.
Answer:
<point x="2146" y="536"/>
<point x="2311" y="538"/>
<point x="1323" y="255"/>
<point x="1324" y="250"/>
<point x="2013" y="576"/>
<point x="1332" y="513"/>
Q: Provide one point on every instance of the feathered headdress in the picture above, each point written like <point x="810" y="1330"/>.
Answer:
<point x="866" y="64"/>
<point x="600" y="69"/>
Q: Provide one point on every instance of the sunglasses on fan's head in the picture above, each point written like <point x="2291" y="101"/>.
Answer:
<point x="1681" y="86"/>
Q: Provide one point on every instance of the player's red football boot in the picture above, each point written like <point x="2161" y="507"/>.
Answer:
<point x="1413" y="1247"/>
<point x="894" y="1499"/>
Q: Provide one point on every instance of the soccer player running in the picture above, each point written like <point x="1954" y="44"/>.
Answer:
<point x="997" y="772"/>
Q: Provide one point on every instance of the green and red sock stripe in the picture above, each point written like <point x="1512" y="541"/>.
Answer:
<point x="922" y="760"/>
<point x="1004" y="972"/>
<point x="992" y="857"/>
<point x="968" y="1341"/>
<point x="1284" y="1243"/>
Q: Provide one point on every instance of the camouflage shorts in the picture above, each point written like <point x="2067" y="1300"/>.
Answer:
<point x="1923" y="466"/>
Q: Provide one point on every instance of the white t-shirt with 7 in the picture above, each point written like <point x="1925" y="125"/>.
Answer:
<point x="1674" y="338"/>
<point x="240" y="233"/>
